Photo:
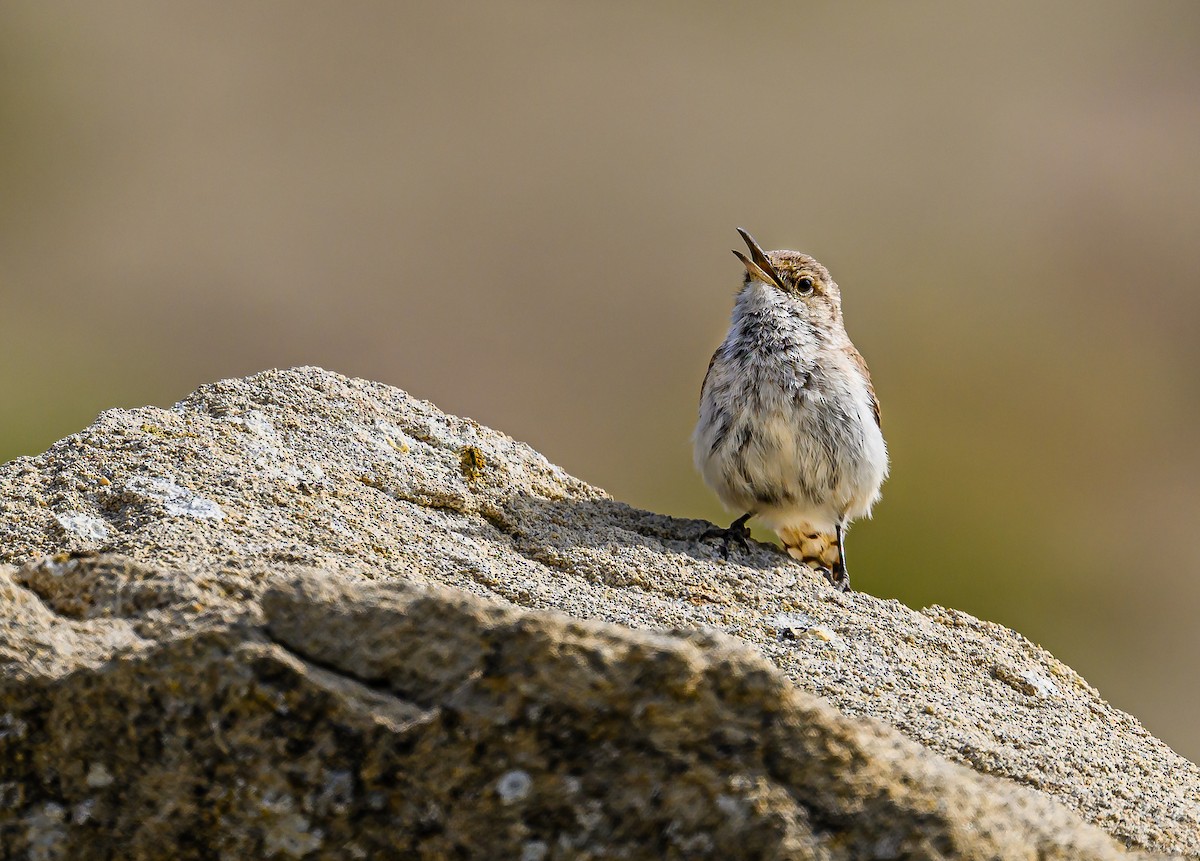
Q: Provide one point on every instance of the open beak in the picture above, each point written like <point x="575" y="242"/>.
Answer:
<point x="757" y="264"/>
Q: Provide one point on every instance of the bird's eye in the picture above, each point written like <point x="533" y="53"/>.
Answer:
<point x="805" y="284"/>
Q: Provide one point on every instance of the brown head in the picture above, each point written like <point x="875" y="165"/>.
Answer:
<point x="801" y="278"/>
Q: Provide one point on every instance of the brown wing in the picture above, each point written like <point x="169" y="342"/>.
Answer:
<point x="858" y="360"/>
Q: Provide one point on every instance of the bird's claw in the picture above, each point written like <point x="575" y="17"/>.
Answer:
<point x="838" y="579"/>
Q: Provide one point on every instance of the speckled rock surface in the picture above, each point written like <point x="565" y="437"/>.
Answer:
<point x="319" y="715"/>
<point x="207" y="700"/>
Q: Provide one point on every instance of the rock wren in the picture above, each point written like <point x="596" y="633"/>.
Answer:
<point x="789" y="424"/>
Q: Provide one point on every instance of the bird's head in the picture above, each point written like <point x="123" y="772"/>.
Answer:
<point x="803" y="281"/>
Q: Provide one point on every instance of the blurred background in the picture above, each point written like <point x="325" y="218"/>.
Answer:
<point x="523" y="212"/>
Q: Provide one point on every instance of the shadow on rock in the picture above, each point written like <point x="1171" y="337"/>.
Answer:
<point x="600" y="523"/>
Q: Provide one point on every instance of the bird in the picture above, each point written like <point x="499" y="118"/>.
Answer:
<point x="789" y="429"/>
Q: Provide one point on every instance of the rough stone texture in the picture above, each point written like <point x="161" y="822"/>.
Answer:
<point x="208" y="696"/>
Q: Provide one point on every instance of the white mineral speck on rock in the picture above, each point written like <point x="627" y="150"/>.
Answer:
<point x="45" y="833"/>
<point x="828" y="635"/>
<point x="534" y="850"/>
<point x="392" y="440"/>
<point x="98" y="776"/>
<point x="177" y="500"/>
<point x="91" y="528"/>
<point x="82" y="811"/>
<point x="791" y="625"/>
<point x="732" y="807"/>
<point x="285" y="831"/>
<point x="1042" y="685"/>
<point x="258" y="424"/>
<point x="514" y="786"/>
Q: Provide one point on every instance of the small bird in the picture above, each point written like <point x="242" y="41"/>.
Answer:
<point x="789" y="426"/>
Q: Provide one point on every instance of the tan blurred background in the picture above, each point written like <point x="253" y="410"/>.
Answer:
<point x="523" y="211"/>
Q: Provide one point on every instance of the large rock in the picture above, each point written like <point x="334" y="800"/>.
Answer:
<point x="265" y="661"/>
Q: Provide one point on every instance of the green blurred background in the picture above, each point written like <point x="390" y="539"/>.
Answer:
<point x="523" y="211"/>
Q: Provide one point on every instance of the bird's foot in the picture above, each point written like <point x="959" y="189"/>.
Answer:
<point x="838" y="579"/>
<point x="737" y="532"/>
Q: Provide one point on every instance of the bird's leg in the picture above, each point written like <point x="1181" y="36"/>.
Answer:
<point x="736" y="531"/>
<point x="838" y="576"/>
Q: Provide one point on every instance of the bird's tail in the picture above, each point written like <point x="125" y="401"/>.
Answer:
<point x="815" y="549"/>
